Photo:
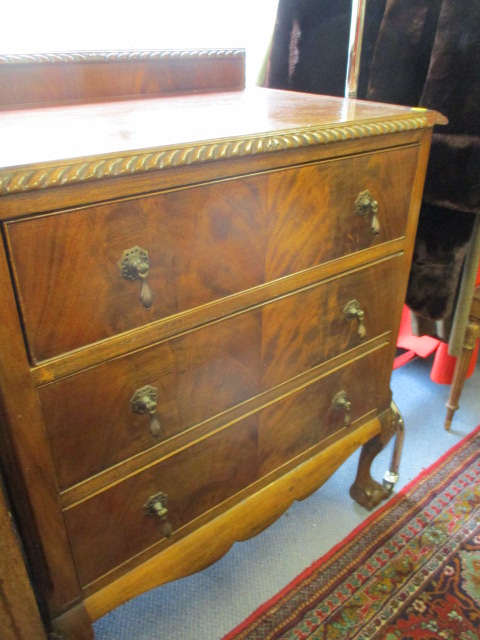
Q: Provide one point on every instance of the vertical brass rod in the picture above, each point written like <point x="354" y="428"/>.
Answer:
<point x="354" y="47"/>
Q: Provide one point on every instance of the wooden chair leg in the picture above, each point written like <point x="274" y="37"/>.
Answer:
<point x="471" y="336"/>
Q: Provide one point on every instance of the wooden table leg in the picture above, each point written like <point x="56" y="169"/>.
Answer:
<point x="461" y="367"/>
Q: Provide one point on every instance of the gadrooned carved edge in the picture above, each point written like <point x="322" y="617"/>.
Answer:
<point x="71" y="172"/>
<point x="120" y="56"/>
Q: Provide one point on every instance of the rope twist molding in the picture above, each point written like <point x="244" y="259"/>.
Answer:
<point x="69" y="172"/>
<point x="120" y="56"/>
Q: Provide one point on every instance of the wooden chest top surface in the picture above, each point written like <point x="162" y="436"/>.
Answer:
<point x="55" y="145"/>
<point x="71" y="131"/>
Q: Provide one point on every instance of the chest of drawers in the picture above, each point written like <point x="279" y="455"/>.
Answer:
<point x="201" y="289"/>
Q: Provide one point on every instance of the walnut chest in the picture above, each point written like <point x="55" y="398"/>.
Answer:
<point x="201" y="288"/>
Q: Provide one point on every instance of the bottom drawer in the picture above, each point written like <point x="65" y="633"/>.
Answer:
<point x="113" y="526"/>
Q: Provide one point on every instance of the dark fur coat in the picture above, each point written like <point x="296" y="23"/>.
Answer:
<point x="415" y="52"/>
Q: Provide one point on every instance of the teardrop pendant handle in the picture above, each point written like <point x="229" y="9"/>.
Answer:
<point x="340" y="401"/>
<point x="144" y="400"/>
<point x="366" y="205"/>
<point x="134" y="265"/>
<point x="353" y="311"/>
<point x="157" y="506"/>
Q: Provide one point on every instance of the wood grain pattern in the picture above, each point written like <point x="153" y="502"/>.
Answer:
<point x="69" y="145"/>
<point x="89" y="419"/>
<point x="122" y="344"/>
<point x="303" y="330"/>
<point x="183" y="439"/>
<point x="25" y="201"/>
<point x="28" y="465"/>
<point x="259" y="228"/>
<point x="314" y="215"/>
<point x="245" y="201"/>
<point x="41" y="79"/>
<point x="200" y="477"/>
<point x="205" y="545"/>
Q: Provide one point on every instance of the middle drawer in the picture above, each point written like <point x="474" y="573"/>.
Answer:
<point x="93" y="420"/>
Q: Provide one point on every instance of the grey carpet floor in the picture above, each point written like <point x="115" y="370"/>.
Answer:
<point x="207" y="605"/>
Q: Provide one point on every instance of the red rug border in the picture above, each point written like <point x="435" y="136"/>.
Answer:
<point x="365" y="523"/>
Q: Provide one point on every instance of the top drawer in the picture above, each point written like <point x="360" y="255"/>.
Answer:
<point x="84" y="275"/>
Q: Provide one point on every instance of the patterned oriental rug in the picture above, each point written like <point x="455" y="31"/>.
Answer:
<point x="411" y="571"/>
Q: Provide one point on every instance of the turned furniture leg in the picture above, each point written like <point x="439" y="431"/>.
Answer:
<point x="461" y="367"/>
<point x="366" y="491"/>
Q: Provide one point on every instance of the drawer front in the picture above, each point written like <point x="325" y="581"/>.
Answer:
<point x="197" y="479"/>
<point x="89" y="416"/>
<point x="314" y="209"/>
<point x="88" y="274"/>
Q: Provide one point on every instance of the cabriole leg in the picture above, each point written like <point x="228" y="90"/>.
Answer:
<point x="75" y="624"/>
<point x="365" y="490"/>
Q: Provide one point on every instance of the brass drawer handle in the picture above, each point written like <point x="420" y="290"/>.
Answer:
<point x="157" y="506"/>
<point x="351" y="311"/>
<point x="144" y="400"/>
<point x="134" y="265"/>
<point x="365" y="204"/>
<point x="341" y="401"/>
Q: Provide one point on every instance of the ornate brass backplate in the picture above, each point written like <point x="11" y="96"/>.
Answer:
<point x="134" y="265"/>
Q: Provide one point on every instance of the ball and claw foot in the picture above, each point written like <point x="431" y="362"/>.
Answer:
<point x="366" y="491"/>
<point x="369" y="494"/>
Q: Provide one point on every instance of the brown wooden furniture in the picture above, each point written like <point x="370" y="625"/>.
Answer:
<point x="201" y="291"/>
<point x="19" y="615"/>
<point x="472" y="334"/>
